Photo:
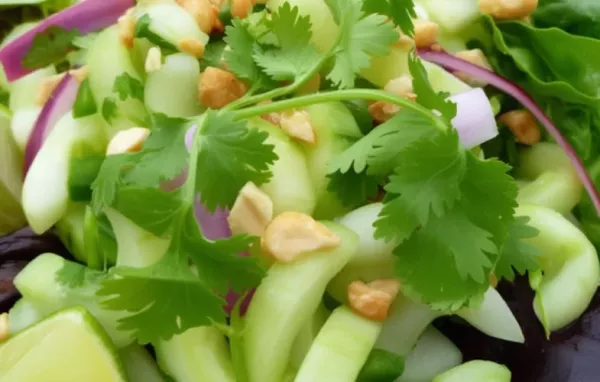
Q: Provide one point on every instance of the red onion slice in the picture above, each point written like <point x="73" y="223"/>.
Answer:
<point x="456" y="64"/>
<point x="86" y="16"/>
<point x="474" y="121"/>
<point x="61" y="102"/>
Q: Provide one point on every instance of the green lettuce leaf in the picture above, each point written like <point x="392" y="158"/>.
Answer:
<point x="579" y="17"/>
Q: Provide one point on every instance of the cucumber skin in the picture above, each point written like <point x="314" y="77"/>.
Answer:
<point x="340" y="349"/>
<point x="291" y="187"/>
<point x="286" y="299"/>
<point x="199" y="354"/>
<point x="336" y="130"/>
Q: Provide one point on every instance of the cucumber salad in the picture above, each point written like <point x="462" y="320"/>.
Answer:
<point x="293" y="190"/>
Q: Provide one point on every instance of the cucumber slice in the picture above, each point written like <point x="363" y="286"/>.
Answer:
<point x="139" y="365"/>
<point x="69" y="346"/>
<point x="476" y="371"/>
<point x="70" y="230"/>
<point x="286" y="299"/>
<point x="23" y="90"/>
<point x="22" y="124"/>
<point x="22" y="315"/>
<point x="454" y="15"/>
<point x="307" y="335"/>
<point x="107" y="59"/>
<point x="336" y="130"/>
<point x="11" y="180"/>
<point x="173" y="89"/>
<point x="14" y="33"/>
<point x="340" y="349"/>
<point x="45" y="191"/>
<point x="39" y="285"/>
<point x="290" y="188"/>
<point x="198" y="354"/>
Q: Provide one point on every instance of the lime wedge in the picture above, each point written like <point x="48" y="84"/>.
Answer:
<point x="69" y="346"/>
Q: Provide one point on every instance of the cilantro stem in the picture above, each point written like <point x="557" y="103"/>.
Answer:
<point x="338" y="95"/>
<point x="189" y="186"/>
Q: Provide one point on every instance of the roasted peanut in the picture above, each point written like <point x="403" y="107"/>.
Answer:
<point x="251" y="212"/>
<point x="508" y="9"/>
<point x="523" y="126"/>
<point x="127" y="141"/>
<point x="297" y="125"/>
<point x="217" y="88"/>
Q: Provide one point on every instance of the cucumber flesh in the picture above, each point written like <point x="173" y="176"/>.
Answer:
<point x="340" y="349"/>
<point x="173" y="89"/>
<point x="198" y="354"/>
<point x="22" y="124"/>
<point x="23" y="90"/>
<point x="307" y="335"/>
<point x="139" y="365"/>
<point x="22" y="315"/>
<point x="454" y="15"/>
<point x="286" y="299"/>
<point x="39" y="285"/>
<point x="290" y="188"/>
<point x="70" y="230"/>
<point x="476" y="371"/>
<point x="11" y="179"/>
<point x="336" y="130"/>
<point x="45" y="191"/>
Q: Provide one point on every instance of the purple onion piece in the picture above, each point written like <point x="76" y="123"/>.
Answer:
<point x="456" y="64"/>
<point x="61" y="102"/>
<point x="86" y="16"/>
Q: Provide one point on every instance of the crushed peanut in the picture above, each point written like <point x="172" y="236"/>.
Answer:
<point x="80" y="74"/>
<point x="191" y="46"/>
<point x="241" y="8"/>
<point x="153" y="61"/>
<point x="493" y="280"/>
<point x="126" y="26"/>
<point x="201" y="11"/>
<point x="373" y="300"/>
<point x="426" y="33"/>
<point x="251" y="212"/>
<point x="46" y="88"/>
<point x="523" y="126"/>
<point x="127" y="141"/>
<point x="4" y="326"/>
<point x="217" y="88"/>
<point x="508" y="9"/>
<point x="475" y="57"/>
<point x="382" y="111"/>
<point x="296" y="124"/>
<point x="274" y="118"/>
<point x="293" y="234"/>
<point x="217" y="23"/>
<point x="401" y="86"/>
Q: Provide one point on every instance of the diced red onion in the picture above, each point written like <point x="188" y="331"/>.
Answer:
<point x="61" y="102"/>
<point x="456" y="64"/>
<point x="474" y="121"/>
<point x="86" y="16"/>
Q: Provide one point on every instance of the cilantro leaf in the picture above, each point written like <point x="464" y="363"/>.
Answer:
<point x="353" y="188"/>
<point x="400" y="11"/>
<point x="361" y="37"/>
<point x="104" y="188"/>
<point x="425" y="183"/>
<point x="518" y="255"/>
<point x="426" y="96"/>
<point x="49" y="47"/>
<point x="164" y="154"/>
<point x="73" y="275"/>
<point x="235" y="154"/>
<point x="164" y="299"/>
<point x="238" y="57"/>
<point x="295" y="55"/>
<point x="126" y="86"/>
<point x="109" y="109"/>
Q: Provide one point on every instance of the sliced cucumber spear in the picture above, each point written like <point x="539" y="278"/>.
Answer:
<point x="286" y="299"/>
<point x="45" y="191"/>
<point x="476" y="371"/>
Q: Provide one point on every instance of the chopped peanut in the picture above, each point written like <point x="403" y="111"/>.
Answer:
<point x="508" y="9"/>
<point x="47" y="87"/>
<point x="217" y="88"/>
<point x="127" y="141"/>
<point x="293" y="234"/>
<point x="311" y="86"/>
<point x="475" y="57"/>
<point x="201" y="11"/>
<point x="426" y="33"/>
<point x="241" y="8"/>
<point x="251" y="212"/>
<point x="153" y="60"/>
<point x="400" y="86"/>
<point x="297" y="125"/>
<point x="217" y="23"/>
<point x="3" y="326"/>
<point x="373" y="300"/>
<point x="522" y="124"/>
<point x="191" y="46"/>
<point x="80" y="74"/>
<point x="404" y="41"/>
<point x="382" y="111"/>
<point x="493" y="280"/>
<point x="274" y="118"/>
<point x="126" y="25"/>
